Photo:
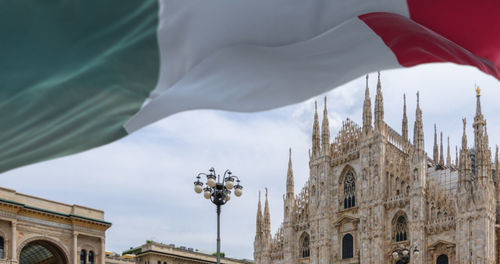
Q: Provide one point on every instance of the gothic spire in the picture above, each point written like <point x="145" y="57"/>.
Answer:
<point x="479" y="114"/>
<point x="379" y="107"/>
<point x="267" y="218"/>
<point x="367" y="110"/>
<point x="435" y="151"/>
<point x="259" y="218"/>
<point x="405" y="120"/>
<point x="464" y="174"/>
<point x="448" y="155"/>
<point x="315" y="135"/>
<point x="479" y="122"/>
<point x="418" y="130"/>
<point x="464" y="135"/>
<point x="441" y="156"/>
<point x="289" y="177"/>
<point x="325" y="132"/>
<point x="481" y="149"/>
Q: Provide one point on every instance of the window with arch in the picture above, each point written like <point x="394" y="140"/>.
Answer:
<point x="349" y="190"/>
<point x="442" y="259"/>
<point x="83" y="256"/>
<point x="401" y="229"/>
<point x="2" y="248"/>
<point x="304" y="246"/>
<point x="91" y="257"/>
<point x="347" y="246"/>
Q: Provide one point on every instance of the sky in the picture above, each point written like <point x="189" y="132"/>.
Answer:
<point x="144" y="182"/>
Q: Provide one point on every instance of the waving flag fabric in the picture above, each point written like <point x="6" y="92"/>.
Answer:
<point x="77" y="74"/>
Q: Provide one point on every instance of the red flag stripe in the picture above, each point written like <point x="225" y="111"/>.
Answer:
<point x="474" y="25"/>
<point x="414" y="44"/>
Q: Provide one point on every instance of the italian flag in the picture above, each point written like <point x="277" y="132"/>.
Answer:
<point x="76" y="74"/>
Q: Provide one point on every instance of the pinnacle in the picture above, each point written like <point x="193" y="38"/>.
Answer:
<point x="448" y="155"/>
<point x="441" y="155"/>
<point x="464" y="136"/>
<point x="404" y="103"/>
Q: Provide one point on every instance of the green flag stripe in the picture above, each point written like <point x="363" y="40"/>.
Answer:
<point x="72" y="72"/>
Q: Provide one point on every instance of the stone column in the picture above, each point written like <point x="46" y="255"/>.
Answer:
<point x="103" y="251"/>
<point x="75" y="248"/>
<point x="13" y="244"/>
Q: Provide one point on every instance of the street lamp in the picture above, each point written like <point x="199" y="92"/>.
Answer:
<point x="218" y="190"/>
<point x="402" y="255"/>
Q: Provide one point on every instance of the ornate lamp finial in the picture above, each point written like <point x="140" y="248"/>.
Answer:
<point x="478" y="91"/>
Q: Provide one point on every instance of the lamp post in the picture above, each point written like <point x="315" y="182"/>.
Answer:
<point x="218" y="190"/>
<point x="402" y="254"/>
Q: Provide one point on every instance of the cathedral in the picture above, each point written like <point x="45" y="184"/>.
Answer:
<point x="373" y="196"/>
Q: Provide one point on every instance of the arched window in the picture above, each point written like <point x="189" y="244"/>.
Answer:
<point x="91" y="257"/>
<point x="347" y="247"/>
<point x="304" y="243"/>
<point x="2" y="251"/>
<point x="442" y="259"/>
<point x="401" y="229"/>
<point x="83" y="256"/>
<point x="349" y="190"/>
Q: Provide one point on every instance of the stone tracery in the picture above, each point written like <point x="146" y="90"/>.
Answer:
<point x="429" y="200"/>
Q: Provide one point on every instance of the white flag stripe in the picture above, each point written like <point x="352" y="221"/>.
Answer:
<point x="190" y="31"/>
<point x="254" y="78"/>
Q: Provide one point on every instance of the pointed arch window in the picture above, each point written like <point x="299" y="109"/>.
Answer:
<point x="349" y="190"/>
<point x="304" y="243"/>
<point x="83" y="256"/>
<point x="2" y="247"/>
<point x="347" y="246"/>
<point x="91" y="257"/>
<point x="401" y="229"/>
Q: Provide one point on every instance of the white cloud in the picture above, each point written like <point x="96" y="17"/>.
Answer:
<point x="144" y="182"/>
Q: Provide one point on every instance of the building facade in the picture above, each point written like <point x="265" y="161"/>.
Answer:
<point x="372" y="192"/>
<point x="158" y="253"/>
<point x="36" y="230"/>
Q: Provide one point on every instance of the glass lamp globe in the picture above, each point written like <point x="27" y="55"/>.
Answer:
<point x="211" y="181"/>
<point x="229" y="183"/>
<point x="405" y="252"/>
<point x="395" y="255"/>
<point x="198" y="188"/>
<point x="228" y="197"/>
<point x="416" y="252"/>
<point x="207" y="194"/>
<point x="238" y="191"/>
